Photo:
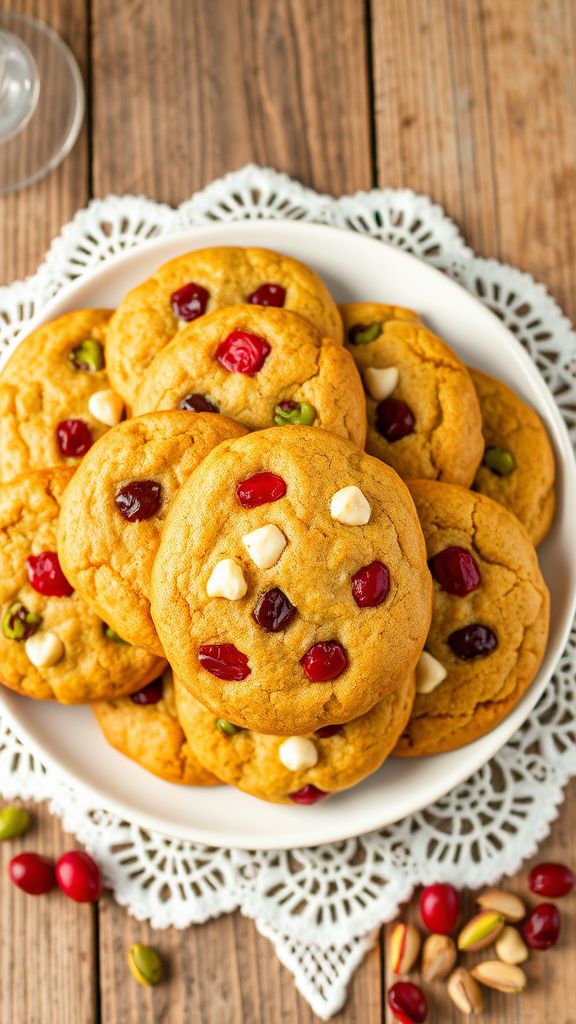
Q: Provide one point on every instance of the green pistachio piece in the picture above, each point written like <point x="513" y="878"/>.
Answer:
<point x="146" y="965"/>
<point x="226" y="728"/>
<point x="363" y="334"/>
<point x="88" y="356"/>
<point x="18" y="623"/>
<point x="14" y="821"/>
<point x="111" y="635"/>
<point x="301" y="413"/>
<point x="499" y="460"/>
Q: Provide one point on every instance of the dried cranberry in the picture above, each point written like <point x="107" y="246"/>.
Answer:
<point x="32" y="873"/>
<point x="268" y="295"/>
<point x="541" y="929"/>
<point x="274" y="611"/>
<point x="456" y="571"/>
<point x="408" y="1003"/>
<point x="189" y="301"/>
<point x="138" y="500"/>
<point x="224" y="661"/>
<point x="74" y="438"/>
<point x="150" y="694"/>
<point x="329" y="730"/>
<point x="439" y="907"/>
<point x="552" y="880"/>
<point x="307" y="795"/>
<point x="325" y="660"/>
<point x="370" y="585"/>
<point x="242" y="352"/>
<point x="46" y="576"/>
<point x="78" y="875"/>
<point x="394" y="419"/>
<point x="197" y="403"/>
<point x="260" y="489"/>
<point x="474" y="641"/>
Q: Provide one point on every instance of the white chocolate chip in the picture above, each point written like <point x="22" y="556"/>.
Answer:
<point x="298" y="753"/>
<point x="265" y="545"/>
<point x="44" y="649"/>
<point x="429" y="673"/>
<point x="349" y="506"/>
<point x="381" y="383"/>
<point x="227" y="580"/>
<point x="106" y="407"/>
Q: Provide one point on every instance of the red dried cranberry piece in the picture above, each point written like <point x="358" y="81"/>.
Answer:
<point x="189" y="301"/>
<point x="394" y="419"/>
<point x="138" y="500"/>
<point x="456" y="571"/>
<point x="268" y="295"/>
<point x="197" y="403"/>
<point x="473" y="641"/>
<point x="32" y="873"/>
<point x="552" y="880"/>
<point x="440" y="907"/>
<point x="274" y="611"/>
<point x="329" y="730"/>
<point x="78" y="876"/>
<point x="224" y="661"/>
<point x="149" y="694"/>
<point x="541" y="929"/>
<point x="307" y="795"/>
<point x="370" y="585"/>
<point x="325" y="660"/>
<point x="46" y="576"/>
<point x="74" y="438"/>
<point x="242" y="352"/>
<point x="408" y="1003"/>
<point x="260" y="489"/>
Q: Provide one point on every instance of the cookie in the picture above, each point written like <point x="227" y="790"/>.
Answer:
<point x="201" y="282"/>
<point x="423" y="414"/>
<point x="260" y="367"/>
<point x="291" y="590"/>
<point x="52" y="645"/>
<point x="489" y="619"/>
<point x="517" y="469"/>
<point x="55" y="396"/>
<point x="123" y="490"/>
<point x="145" y="727"/>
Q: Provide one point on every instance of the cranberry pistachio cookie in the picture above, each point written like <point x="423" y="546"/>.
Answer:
<point x="200" y="282"/>
<point x="123" y="489"/>
<point x="489" y="619"/>
<point x="52" y="645"/>
<point x="145" y="727"/>
<point x="518" y="465"/>
<point x="295" y="769"/>
<point x="260" y="367"/>
<point x="423" y="414"/>
<point x="55" y="397"/>
<point x="291" y="590"/>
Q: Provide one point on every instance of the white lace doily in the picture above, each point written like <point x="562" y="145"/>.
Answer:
<point x="335" y="895"/>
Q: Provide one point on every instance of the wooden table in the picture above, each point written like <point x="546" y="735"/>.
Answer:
<point x="469" y="101"/>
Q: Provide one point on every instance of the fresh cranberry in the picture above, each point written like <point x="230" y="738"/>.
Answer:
<point x="189" y="301"/>
<point x="408" y="1003"/>
<point x="439" y="907"/>
<point x="274" y="611"/>
<point x="139" y="500"/>
<point x="541" y="929"/>
<point x="456" y="571"/>
<point x="46" y="576"/>
<point x="552" y="880"/>
<point x="260" y="489"/>
<point x="329" y="730"/>
<point x="473" y="641"/>
<point x="79" y="876"/>
<point x="197" y="403"/>
<point x="394" y="419"/>
<point x="74" y="438"/>
<point x="242" y="352"/>
<point x="150" y="694"/>
<point x="325" y="660"/>
<point x="268" y="295"/>
<point x="307" y="795"/>
<point x="32" y="873"/>
<point x="370" y="585"/>
<point x="224" y="661"/>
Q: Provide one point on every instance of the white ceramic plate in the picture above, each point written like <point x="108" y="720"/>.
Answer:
<point x="355" y="268"/>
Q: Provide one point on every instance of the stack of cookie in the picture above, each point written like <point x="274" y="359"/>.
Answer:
<point x="195" y="541"/>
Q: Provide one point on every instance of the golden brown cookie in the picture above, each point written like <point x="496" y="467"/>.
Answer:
<point x="203" y="281"/>
<point x="290" y="590"/>
<point x="123" y="490"/>
<point x="52" y="645"/>
<point x="145" y="727"/>
<point x="55" y="396"/>
<point x="423" y="414"/>
<point x="295" y="769"/>
<point x="489" y="619"/>
<point x="260" y="367"/>
<point x="518" y="465"/>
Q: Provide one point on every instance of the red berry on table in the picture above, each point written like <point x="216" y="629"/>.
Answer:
<point x="260" y="489"/>
<point x="326" y="731"/>
<point x="408" y="1003"/>
<point x="274" y="611"/>
<point x="439" y="907"/>
<point x="309" y="794"/>
<point x="456" y="571"/>
<point x="32" y="873"/>
<point x="394" y="419"/>
<point x="370" y="585"/>
<point x="74" y="438"/>
<point x="224" y="661"/>
<point x="324" y="661"/>
<point x="268" y="295"/>
<point x="242" y="352"/>
<point x="150" y="694"/>
<point x="552" y="880"/>
<point x="139" y="500"/>
<point x="541" y="929"/>
<point x="197" y="403"/>
<point x="78" y="875"/>
<point x="474" y="641"/>
<point x="189" y="301"/>
<point x="46" y="576"/>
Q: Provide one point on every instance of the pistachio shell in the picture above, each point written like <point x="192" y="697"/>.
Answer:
<point x="465" y="992"/>
<point x="503" y="977"/>
<point x="506" y="903"/>
<point x="438" y="957"/>
<point x="481" y="931"/>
